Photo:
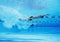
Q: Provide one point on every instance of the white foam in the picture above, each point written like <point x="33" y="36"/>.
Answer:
<point x="9" y="15"/>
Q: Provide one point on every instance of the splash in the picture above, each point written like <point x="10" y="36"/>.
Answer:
<point x="10" y="16"/>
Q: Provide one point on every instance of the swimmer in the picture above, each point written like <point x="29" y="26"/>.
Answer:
<point x="34" y="17"/>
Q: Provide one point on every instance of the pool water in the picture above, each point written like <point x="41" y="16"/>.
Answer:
<point x="15" y="26"/>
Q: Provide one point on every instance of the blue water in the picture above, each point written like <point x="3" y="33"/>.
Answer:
<point x="45" y="29"/>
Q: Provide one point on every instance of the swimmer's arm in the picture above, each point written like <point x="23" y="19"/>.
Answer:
<point x="22" y="19"/>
